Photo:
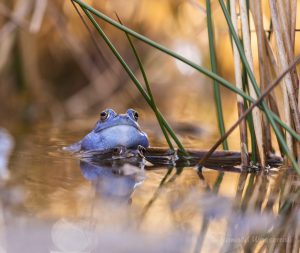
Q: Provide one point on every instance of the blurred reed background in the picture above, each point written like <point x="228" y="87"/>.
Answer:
<point x="50" y="67"/>
<point x="51" y="70"/>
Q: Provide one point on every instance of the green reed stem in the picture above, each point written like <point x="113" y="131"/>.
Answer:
<point x="213" y="64"/>
<point x="148" y="89"/>
<point x="133" y="78"/>
<point x="229" y="11"/>
<point x="268" y="113"/>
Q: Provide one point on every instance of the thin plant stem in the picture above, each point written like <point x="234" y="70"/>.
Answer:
<point x="213" y="63"/>
<point x="293" y="9"/>
<point x="255" y="113"/>
<point x="239" y="84"/>
<point x="256" y="10"/>
<point x="249" y="118"/>
<point x="148" y="89"/>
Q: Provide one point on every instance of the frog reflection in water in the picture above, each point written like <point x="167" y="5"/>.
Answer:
<point x="113" y="181"/>
<point x="113" y="130"/>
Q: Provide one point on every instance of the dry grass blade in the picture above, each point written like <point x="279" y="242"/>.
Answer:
<point x="38" y="15"/>
<point x="214" y="68"/>
<point x="256" y="113"/>
<point x="285" y="28"/>
<point x="239" y="84"/>
<point x="257" y="14"/>
<point x="257" y="102"/>
<point x="293" y="9"/>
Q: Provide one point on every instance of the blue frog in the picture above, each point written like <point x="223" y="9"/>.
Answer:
<point x="113" y="130"/>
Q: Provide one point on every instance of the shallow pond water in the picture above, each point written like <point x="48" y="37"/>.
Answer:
<point x="53" y="202"/>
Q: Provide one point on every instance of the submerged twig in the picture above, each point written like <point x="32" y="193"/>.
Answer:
<point x="259" y="100"/>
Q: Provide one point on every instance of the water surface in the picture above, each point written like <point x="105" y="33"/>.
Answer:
<point x="53" y="202"/>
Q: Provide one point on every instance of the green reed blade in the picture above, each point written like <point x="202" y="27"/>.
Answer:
<point x="148" y="88"/>
<point x="228" y="8"/>
<point x="213" y="63"/>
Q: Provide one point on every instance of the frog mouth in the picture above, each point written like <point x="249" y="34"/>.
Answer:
<point x="122" y="126"/>
<point x="120" y="122"/>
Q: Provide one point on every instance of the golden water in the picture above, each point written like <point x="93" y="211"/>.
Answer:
<point x="53" y="203"/>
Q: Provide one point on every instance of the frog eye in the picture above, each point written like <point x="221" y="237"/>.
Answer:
<point x="135" y="115"/>
<point x="103" y="115"/>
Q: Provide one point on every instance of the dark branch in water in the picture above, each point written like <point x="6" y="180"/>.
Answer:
<point x="256" y="103"/>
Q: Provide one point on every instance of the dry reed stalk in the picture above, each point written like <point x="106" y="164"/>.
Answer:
<point x="272" y="71"/>
<point x="293" y="28"/>
<point x="256" y="113"/>
<point x="38" y="15"/>
<point x="272" y="67"/>
<point x="285" y="20"/>
<point x="293" y="14"/>
<point x="7" y="31"/>
<point x="239" y="84"/>
<point x="17" y="16"/>
<point x="283" y="61"/>
<point x="287" y="112"/>
<point x="287" y="10"/>
<point x="273" y="102"/>
<point x="255" y="7"/>
<point x="285" y="28"/>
